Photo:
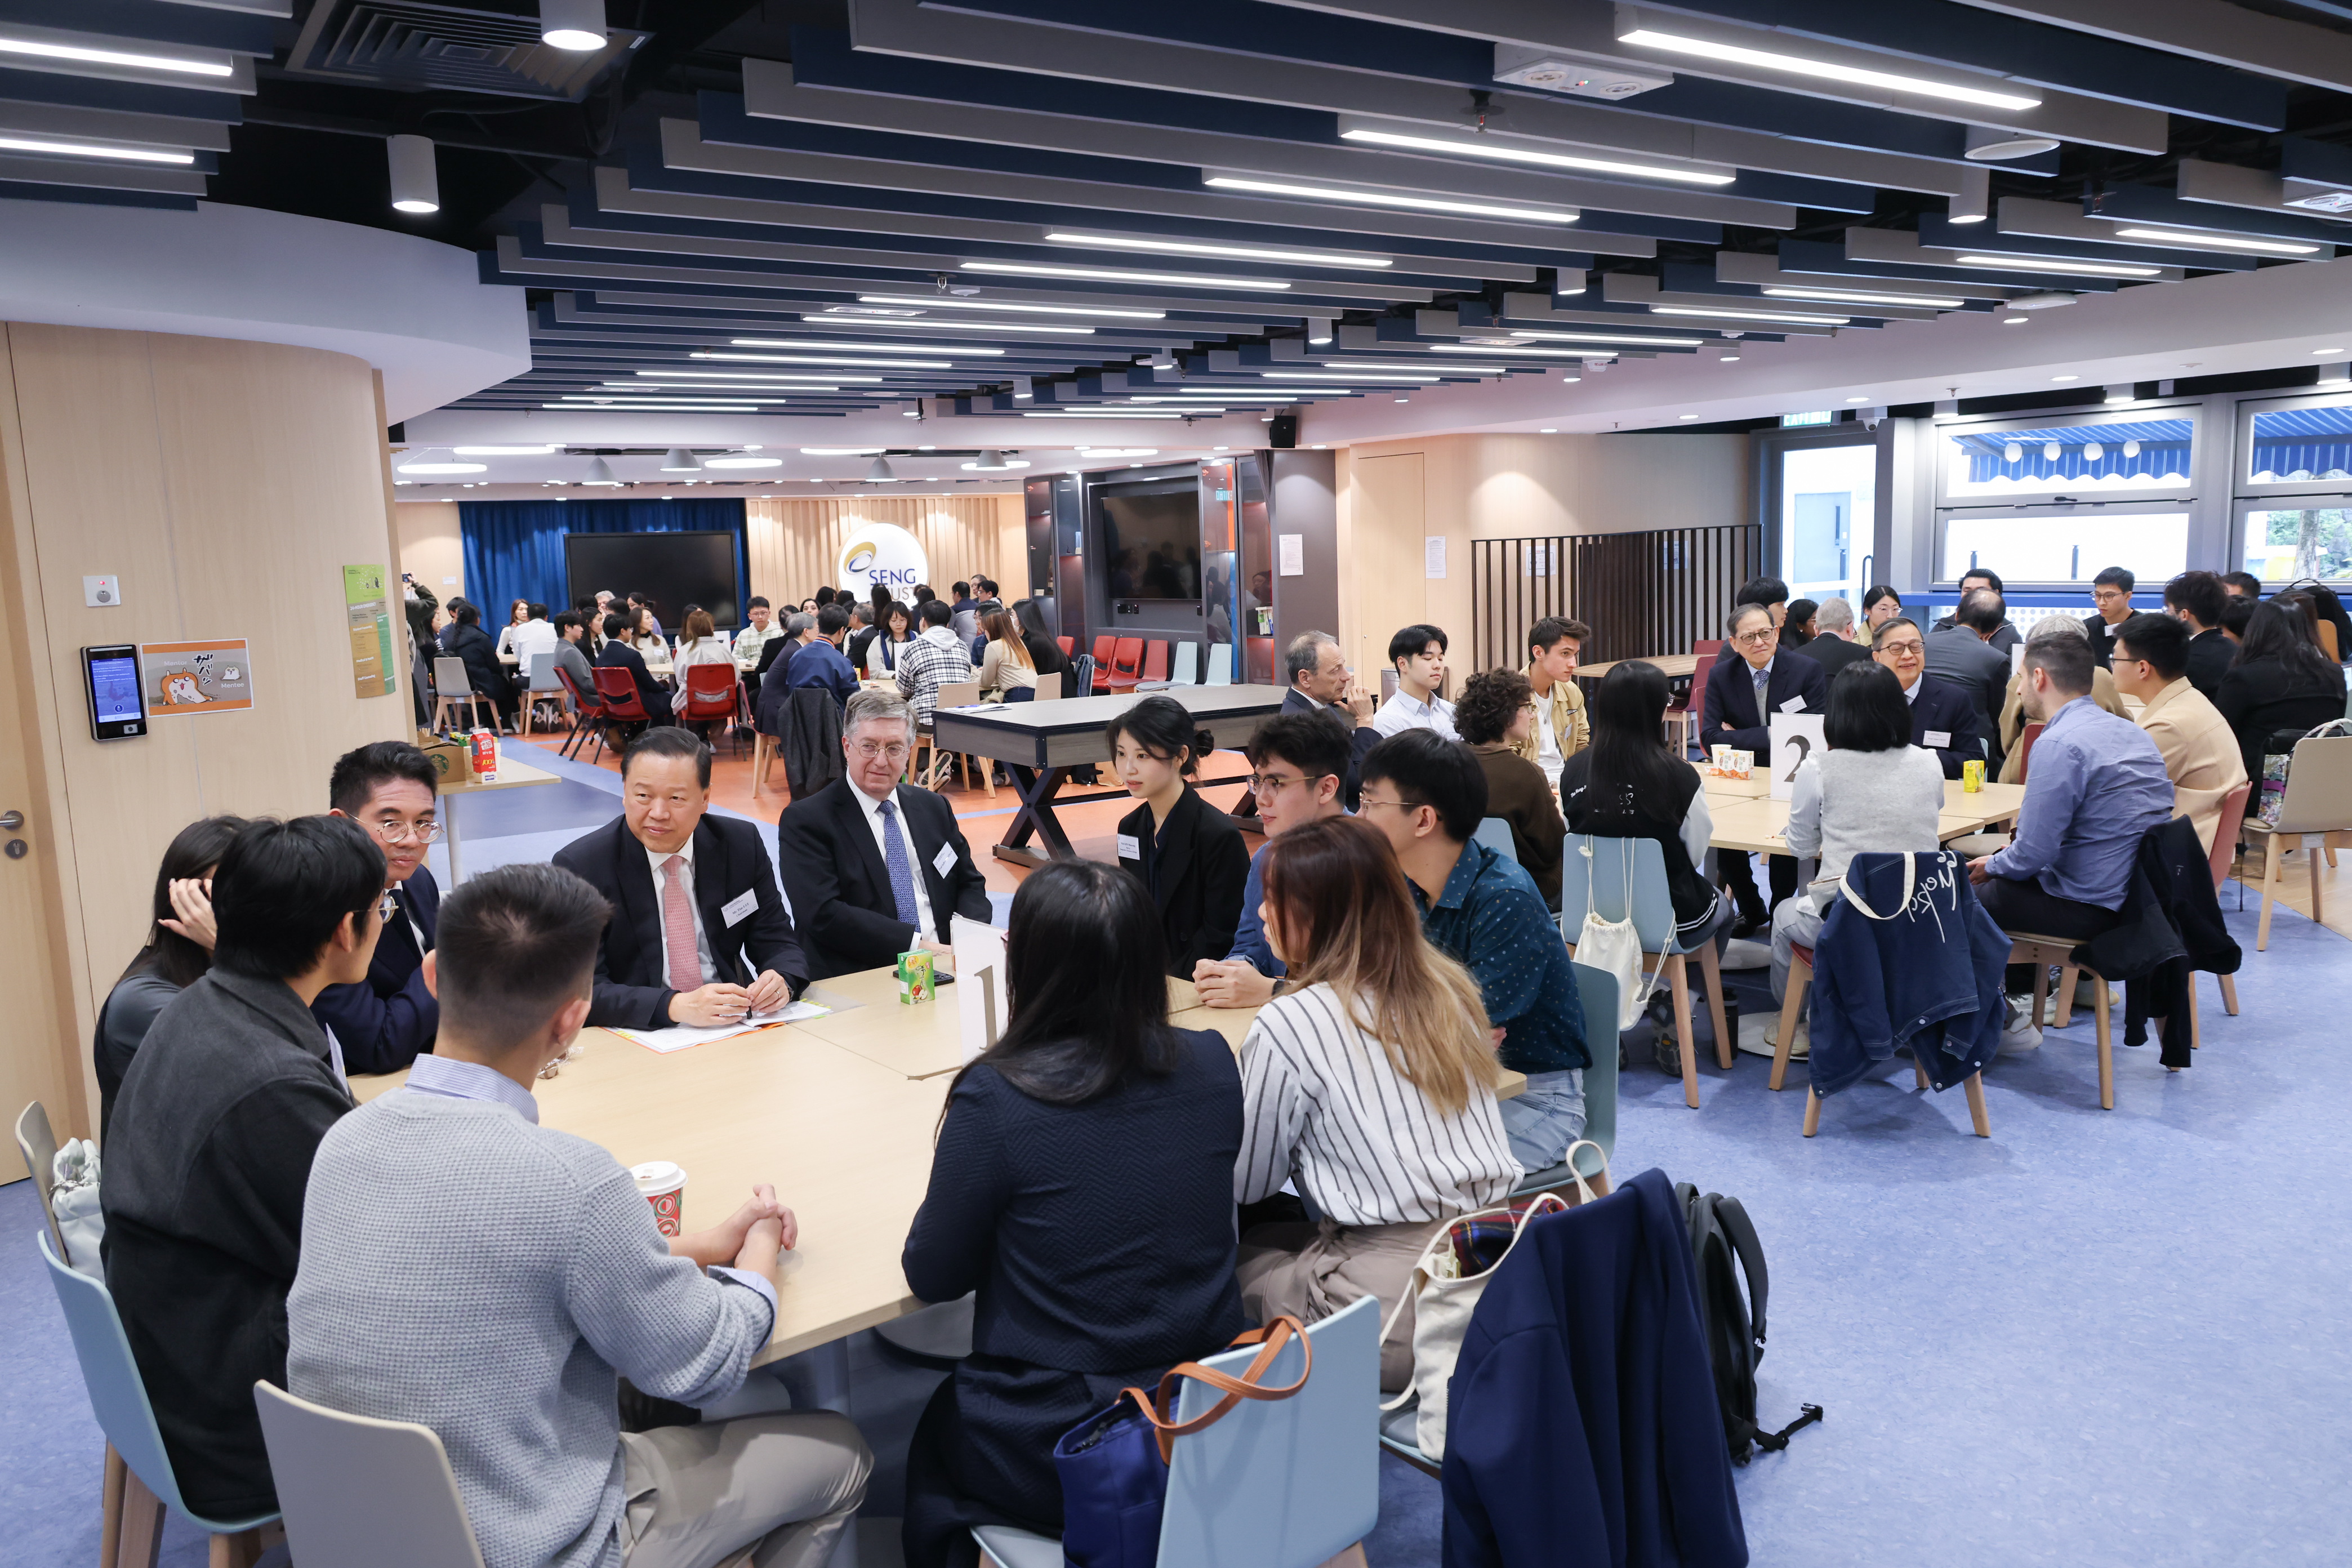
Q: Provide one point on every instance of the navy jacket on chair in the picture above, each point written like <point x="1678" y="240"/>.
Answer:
<point x="385" y="1021"/>
<point x="1584" y="1425"/>
<point x="1941" y="708"/>
<point x="729" y="862"/>
<point x="1729" y="717"/>
<point x="1923" y="972"/>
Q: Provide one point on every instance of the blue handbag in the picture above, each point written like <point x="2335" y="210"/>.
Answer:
<point x="1113" y="1464"/>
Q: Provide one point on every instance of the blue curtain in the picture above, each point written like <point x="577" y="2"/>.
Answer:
<point x="514" y="548"/>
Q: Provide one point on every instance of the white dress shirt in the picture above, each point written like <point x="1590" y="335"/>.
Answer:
<point x="701" y="938"/>
<point x="1402" y="712"/>
<point x="927" y="928"/>
<point x="1548" y="756"/>
<point x="531" y="638"/>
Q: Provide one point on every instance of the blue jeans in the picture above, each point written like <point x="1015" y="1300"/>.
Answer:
<point x="1543" y="1118"/>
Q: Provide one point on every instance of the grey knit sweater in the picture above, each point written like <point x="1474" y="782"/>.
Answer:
<point x="1863" y="802"/>
<point x="486" y="1277"/>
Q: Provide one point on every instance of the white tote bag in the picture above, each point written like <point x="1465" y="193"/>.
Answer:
<point x="73" y="1202"/>
<point x="1614" y="947"/>
<point x="1444" y="1302"/>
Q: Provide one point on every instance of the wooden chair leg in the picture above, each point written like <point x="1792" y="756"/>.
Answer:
<point x="1918" y="1071"/>
<point x="2106" y="1049"/>
<point x="242" y="1550"/>
<point x="2313" y="855"/>
<point x="2270" y="892"/>
<point x="1801" y="976"/>
<point x="143" y="1524"/>
<point x="1678" y="980"/>
<point x="2068" y="977"/>
<point x="2040" y="984"/>
<point x="1351" y="1558"/>
<point x="1975" y="1090"/>
<point x="2229" y="994"/>
<point x="2194" y="1042"/>
<point x="1714" y="977"/>
<point x="110" y="1518"/>
<point x="1812" y="1111"/>
<point x="2331" y="856"/>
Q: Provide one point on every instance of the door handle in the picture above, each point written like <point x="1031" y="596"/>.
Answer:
<point x="11" y="820"/>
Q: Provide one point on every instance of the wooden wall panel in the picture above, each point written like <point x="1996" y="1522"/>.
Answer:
<point x="1389" y="514"/>
<point x="431" y="546"/>
<point x="227" y="484"/>
<point x="795" y="543"/>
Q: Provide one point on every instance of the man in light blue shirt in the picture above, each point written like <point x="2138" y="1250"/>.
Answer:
<point x="1299" y="762"/>
<point x="1418" y="652"/>
<point x="2097" y="785"/>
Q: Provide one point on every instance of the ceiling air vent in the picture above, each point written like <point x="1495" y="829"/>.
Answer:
<point x="416" y="47"/>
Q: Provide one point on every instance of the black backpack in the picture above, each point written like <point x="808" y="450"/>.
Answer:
<point x="1721" y="1232"/>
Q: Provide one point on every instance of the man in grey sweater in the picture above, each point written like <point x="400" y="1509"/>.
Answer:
<point x="469" y="1270"/>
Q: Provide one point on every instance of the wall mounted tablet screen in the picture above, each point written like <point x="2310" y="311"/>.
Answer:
<point x="675" y="570"/>
<point x="1151" y="539"/>
<point x="118" y="706"/>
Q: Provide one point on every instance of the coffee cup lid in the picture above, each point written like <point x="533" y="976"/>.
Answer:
<point x="657" y="1176"/>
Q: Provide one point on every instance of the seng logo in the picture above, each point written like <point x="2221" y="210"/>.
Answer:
<point x="885" y="555"/>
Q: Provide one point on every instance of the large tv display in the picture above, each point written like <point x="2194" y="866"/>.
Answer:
<point x="674" y="570"/>
<point x="1151" y="539"/>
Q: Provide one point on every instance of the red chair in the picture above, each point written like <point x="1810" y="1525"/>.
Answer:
<point x="1069" y="645"/>
<point x="2025" y="756"/>
<point x="1126" y="658"/>
<point x="618" y="688"/>
<point x="711" y="694"/>
<point x="1155" y="661"/>
<point x="1104" y="643"/>
<point x="1708" y="644"/>
<point x="2225" y="853"/>
<point x="1684" y="710"/>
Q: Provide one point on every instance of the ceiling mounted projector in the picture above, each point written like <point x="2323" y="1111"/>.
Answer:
<point x="1555" y="71"/>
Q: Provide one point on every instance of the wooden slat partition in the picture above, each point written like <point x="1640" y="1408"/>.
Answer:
<point x="795" y="543"/>
<point x="1654" y="592"/>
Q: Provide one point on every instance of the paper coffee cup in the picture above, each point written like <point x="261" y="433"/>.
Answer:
<point x="663" y="1185"/>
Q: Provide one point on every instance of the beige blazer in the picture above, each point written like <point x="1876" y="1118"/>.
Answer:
<point x="1569" y="725"/>
<point x="2012" y="717"/>
<point x="2200" y="754"/>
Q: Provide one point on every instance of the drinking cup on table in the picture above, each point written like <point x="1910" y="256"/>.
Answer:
<point x="663" y="1185"/>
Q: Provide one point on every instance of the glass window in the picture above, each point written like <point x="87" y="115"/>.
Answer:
<point x="2077" y="455"/>
<point x="2308" y="541"/>
<point x="2067" y="546"/>
<point x="2297" y="443"/>
<point x="1826" y="519"/>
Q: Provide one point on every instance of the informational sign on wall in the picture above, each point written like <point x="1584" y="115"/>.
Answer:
<point x="368" y="607"/>
<point x="183" y="678"/>
<point x="1433" y="555"/>
<point x="1290" y="551"/>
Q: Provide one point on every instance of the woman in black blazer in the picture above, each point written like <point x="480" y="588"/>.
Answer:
<point x="464" y="638"/>
<point x="1188" y="855"/>
<point x="2280" y="680"/>
<point x="1087" y="1099"/>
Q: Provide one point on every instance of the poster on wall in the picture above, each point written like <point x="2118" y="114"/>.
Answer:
<point x="184" y="678"/>
<point x="368" y="608"/>
<point x="882" y="553"/>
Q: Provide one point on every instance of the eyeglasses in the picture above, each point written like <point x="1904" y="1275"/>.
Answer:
<point x="1754" y="639"/>
<point x="1908" y="644"/>
<point x="1367" y="803"/>
<point x="869" y="751"/>
<point x="1270" y="784"/>
<point x="403" y="832"/>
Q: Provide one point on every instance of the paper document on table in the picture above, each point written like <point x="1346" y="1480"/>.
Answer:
<point x="685" y="1036"/>
<point x="980" y="1011"/>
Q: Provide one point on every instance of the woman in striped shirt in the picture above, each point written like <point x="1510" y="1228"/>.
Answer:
<point x="1368" y="1083"/>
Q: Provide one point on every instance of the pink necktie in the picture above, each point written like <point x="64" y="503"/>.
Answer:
<point x="678" y="928"/>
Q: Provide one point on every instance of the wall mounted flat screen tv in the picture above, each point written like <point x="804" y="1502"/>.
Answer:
<point x="1151" y="539"/>
<point x="674" y="570"/>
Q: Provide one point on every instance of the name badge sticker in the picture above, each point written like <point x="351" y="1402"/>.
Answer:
<point x="1794" y="705"/>
<point x="1938" y="740"/>
<point x="734" y="909"/>
<point x="1129" y="846"/>
<point x="944" y="861"/>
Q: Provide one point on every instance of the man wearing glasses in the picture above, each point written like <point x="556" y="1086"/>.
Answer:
<point x="1943" y="718"/>
<point x="875" y="868"/>
<point x="1742" y="694"/>
<point x="384" y="1022"/>
<point x="1298" y="761"/>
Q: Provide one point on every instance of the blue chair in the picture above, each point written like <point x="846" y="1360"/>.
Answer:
<point x="1495" y="833"/>
<point x="1596" y="993"/>
<point x="140" y="1483"/>
<point x="1601" y="864"/>
<point x="1288" y="1483"/>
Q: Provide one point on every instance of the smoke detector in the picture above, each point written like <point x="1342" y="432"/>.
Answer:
<point x="1554" y="71"/>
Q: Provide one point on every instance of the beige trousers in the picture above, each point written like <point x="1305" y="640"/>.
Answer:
<point x="785" y="1485"/>
<point x="1311" y="1270"/>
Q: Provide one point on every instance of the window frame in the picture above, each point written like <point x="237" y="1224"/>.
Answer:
<point x="1946" y="516"/>
<point x="2241" y="506"/>
<point x="1947" y="427"/>
<point x="2243" y="483"/>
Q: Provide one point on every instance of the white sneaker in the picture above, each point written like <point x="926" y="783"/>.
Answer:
<point x="2020" y="1033"/>
<point x="1801" y="1047"/>
<point x="1742" y="952"/>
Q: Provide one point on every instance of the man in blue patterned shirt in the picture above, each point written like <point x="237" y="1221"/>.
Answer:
<point x="1427" y="793"/>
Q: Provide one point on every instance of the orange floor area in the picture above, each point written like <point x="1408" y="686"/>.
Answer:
<point x="1092" y="826"/>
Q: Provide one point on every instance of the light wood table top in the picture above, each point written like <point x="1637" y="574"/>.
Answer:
<point x="513" y="774"/>
<point x="1759" y="826"/>
<point x="845" y="1141"/>
<point x="1673" y="666"/>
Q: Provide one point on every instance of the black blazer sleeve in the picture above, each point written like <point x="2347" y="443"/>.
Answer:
<point x="618" y="1002"/>
<point x="1220" y="862"/>
<point x="1729" y="718"/>
<point x="384" y="1026"/>
<point x="1945" y="708"/>
<point x="765" y="938"/>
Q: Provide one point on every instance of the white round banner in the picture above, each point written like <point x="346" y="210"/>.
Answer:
<point x="886" y="553"/>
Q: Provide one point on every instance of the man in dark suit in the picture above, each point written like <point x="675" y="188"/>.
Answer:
<point x="1832" y="645"/>
<point x="1943" y="718"/>
<point x="776" y="672"/>
<point x="616" y="654"/>
<point x="875" y="868"/>
<point x="2110" y="591"/>
<point x="2194" y="599"/>
<point x="699" y="934"/>
<point x="1742" y="694"/>
<point x="390" y="788"/>
<point x="1321" y="682"/>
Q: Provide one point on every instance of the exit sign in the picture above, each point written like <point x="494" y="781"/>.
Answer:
<point x="1791" y="421"/>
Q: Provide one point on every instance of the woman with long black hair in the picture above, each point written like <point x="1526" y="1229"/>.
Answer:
<point x="1087" y="1102"/>
<point x="2279" y="681"/>
<point x="179" y="950"/>
<point x="1627" y="785"/>
<point x="1188" y="854"/>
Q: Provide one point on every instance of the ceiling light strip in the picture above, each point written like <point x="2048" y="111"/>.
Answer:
<point x="847" y="347"/>
<point x="1825" y="70"/>
<point x="1123" y="275"/>
<point x="1511" y="153"/>
<point x="942" y="302"/>
<point x="1206" y="247"/>
<point x="1389" y="199"/>
<point x="40" y="50"/>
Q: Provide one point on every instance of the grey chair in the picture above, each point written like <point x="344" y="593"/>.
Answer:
<point x="39" y="1147"/>
<point x="541" y="686"/>
<point x="364" y="1493"/>
<point x="452" y="688"/>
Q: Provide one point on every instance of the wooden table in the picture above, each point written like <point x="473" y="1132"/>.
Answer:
<point x="1041" y="742"/>
<point x="1751" y="822"/>
<point x="512" y="775"/>
<point x="1673" y="666"/>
